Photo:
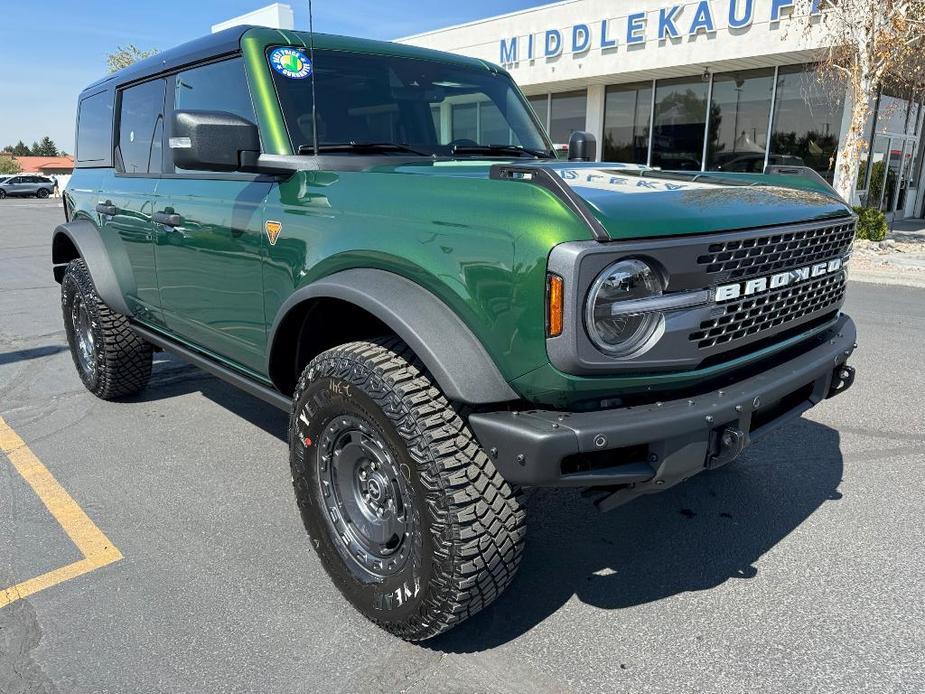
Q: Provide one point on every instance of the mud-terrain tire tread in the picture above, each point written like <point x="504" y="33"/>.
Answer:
<point x="123" y="358"/>
<point x="478" y="519"/>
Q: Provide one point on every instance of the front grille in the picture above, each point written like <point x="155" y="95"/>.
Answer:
<point x="763" y="255"/>
<point x="753" y="315"/>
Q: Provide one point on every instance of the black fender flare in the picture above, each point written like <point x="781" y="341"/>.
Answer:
<point x="85" y="237"/>
<point x="447" y="347"/>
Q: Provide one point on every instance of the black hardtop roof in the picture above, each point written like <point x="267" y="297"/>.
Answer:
<point x="229" y="41"/>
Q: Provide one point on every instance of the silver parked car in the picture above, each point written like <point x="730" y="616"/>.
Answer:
<point x="27" y="184"/>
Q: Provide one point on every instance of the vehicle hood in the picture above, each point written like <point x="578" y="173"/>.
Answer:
<point x="634" y="201"/>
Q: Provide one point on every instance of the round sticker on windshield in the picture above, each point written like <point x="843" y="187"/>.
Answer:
<point x="291" y="63"/>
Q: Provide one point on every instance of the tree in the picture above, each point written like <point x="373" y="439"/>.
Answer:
<point x="20" y="149"/>
<point x="125" y="56"/>
<point x="870" y="41"/>
<point x="8" y="165"/>
<point x="45" y="148"/>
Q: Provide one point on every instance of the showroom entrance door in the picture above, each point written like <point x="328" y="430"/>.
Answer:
<point x="890" y="184"/>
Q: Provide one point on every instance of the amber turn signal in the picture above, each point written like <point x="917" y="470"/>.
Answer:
<point x="554" y="291"/>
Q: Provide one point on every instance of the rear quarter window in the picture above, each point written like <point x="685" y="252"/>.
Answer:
<point x="94" y="130"/>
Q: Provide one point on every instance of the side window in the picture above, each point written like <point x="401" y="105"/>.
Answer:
<point x="94" y="130"/>
<point x="140" y="131"/>
<point x="215" y="87"/>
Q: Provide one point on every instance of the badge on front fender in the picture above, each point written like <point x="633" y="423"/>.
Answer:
<point x="273" y="229"/>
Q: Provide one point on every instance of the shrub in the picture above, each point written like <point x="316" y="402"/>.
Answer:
<point x="871" y="224"/>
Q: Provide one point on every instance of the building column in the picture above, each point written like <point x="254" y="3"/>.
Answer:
<point x="594" y="116"/>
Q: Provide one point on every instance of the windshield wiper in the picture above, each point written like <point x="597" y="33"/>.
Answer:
<point x="363" y="147"/>
<point x="519" y="150"/>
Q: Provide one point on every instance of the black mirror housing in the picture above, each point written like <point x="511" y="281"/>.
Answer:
<point x="213" y="141"/>
<point x="582" y="146"/>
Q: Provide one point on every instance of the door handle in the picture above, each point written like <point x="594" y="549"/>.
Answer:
<point x="107" y="208"/>
<point x="168" y="219"/>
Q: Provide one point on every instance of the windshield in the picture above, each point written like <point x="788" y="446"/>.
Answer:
<point x="422" y="106"/>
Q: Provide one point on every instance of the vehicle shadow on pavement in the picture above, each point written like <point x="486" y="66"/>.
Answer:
<point x="172" y="377"/>
<point x="33" y="353"/>
<point x="694" y="537"/>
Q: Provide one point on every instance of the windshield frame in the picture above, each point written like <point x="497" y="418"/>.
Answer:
<point x="342" y="150"/>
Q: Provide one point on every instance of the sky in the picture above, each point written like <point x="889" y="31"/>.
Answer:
<point x="51" y="49"/>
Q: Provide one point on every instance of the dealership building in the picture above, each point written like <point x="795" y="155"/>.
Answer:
<point x="706" y="85"/>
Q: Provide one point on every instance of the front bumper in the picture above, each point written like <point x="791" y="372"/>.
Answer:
<point x="648" y="448"/>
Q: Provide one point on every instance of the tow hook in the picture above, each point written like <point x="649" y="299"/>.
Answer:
<point x="728" y="444"/>
<point x="842" y="379"/>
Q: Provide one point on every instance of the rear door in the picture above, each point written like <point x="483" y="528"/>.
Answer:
<point x="127" y="200"/>
<point x="210" y="240"/>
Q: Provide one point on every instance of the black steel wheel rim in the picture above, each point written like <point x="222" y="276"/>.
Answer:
<point x="366" y="498"/>
<point x="84" y="340"/>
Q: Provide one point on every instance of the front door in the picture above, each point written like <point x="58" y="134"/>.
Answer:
<point x="209" y="235"/>
<point x="891" y="168"/>
<point x="904" y="182"/>
<point x="209" y="251"/>
<point x="15" y="186"/>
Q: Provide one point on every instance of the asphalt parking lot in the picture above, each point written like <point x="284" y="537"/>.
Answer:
<point x="801" y="568"/>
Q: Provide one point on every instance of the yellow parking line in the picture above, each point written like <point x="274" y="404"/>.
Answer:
<point x="93" y="544"/>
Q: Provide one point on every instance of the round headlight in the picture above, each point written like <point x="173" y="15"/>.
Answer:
<point x="621" y="333"/>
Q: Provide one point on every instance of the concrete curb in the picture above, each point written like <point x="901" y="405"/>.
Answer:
<point x="905" y="279"/>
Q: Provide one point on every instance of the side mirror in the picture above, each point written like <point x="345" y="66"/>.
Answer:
<point x="213" y="141"/>
<point x="582" y="146"/>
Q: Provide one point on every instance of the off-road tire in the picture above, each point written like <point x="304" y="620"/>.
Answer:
<point x="121" y="359"/>
<point x="468" y="522"/>
<point x="41" y="193"/>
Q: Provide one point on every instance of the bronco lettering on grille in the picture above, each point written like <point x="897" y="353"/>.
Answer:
<point x="727" y="292"/>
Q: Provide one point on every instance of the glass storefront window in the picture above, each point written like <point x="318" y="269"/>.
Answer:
<point x="892" y="113"/>
<point x="680" y="119"/>
<point x="435" y="115"/>
<point x="739" y="113"/>
<point x="465" y="122"/>
<point x="493" y="127"/>
<point x="566" y="115"/>
<point x="878" y="172"/>
<point x="626" y="123"/>
<point x="480" y="121"/>
<point x="912" y="122"/>
<point x="917" y="156"/>
<point x="540" y="105"/>
<point x="807" y="120"/>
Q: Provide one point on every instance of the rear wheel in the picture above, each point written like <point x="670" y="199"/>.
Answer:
<point x="41" y="193"/>
<point x="409" y="516"/>
<point x="111" y="360"/>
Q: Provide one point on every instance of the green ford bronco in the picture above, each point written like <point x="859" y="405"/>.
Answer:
<point x="379" y="240"/>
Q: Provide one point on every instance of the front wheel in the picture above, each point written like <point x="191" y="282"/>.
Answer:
<point x="408" y="515"/>
<point x="2" y="193"/>
<point x="111" y="359"/>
